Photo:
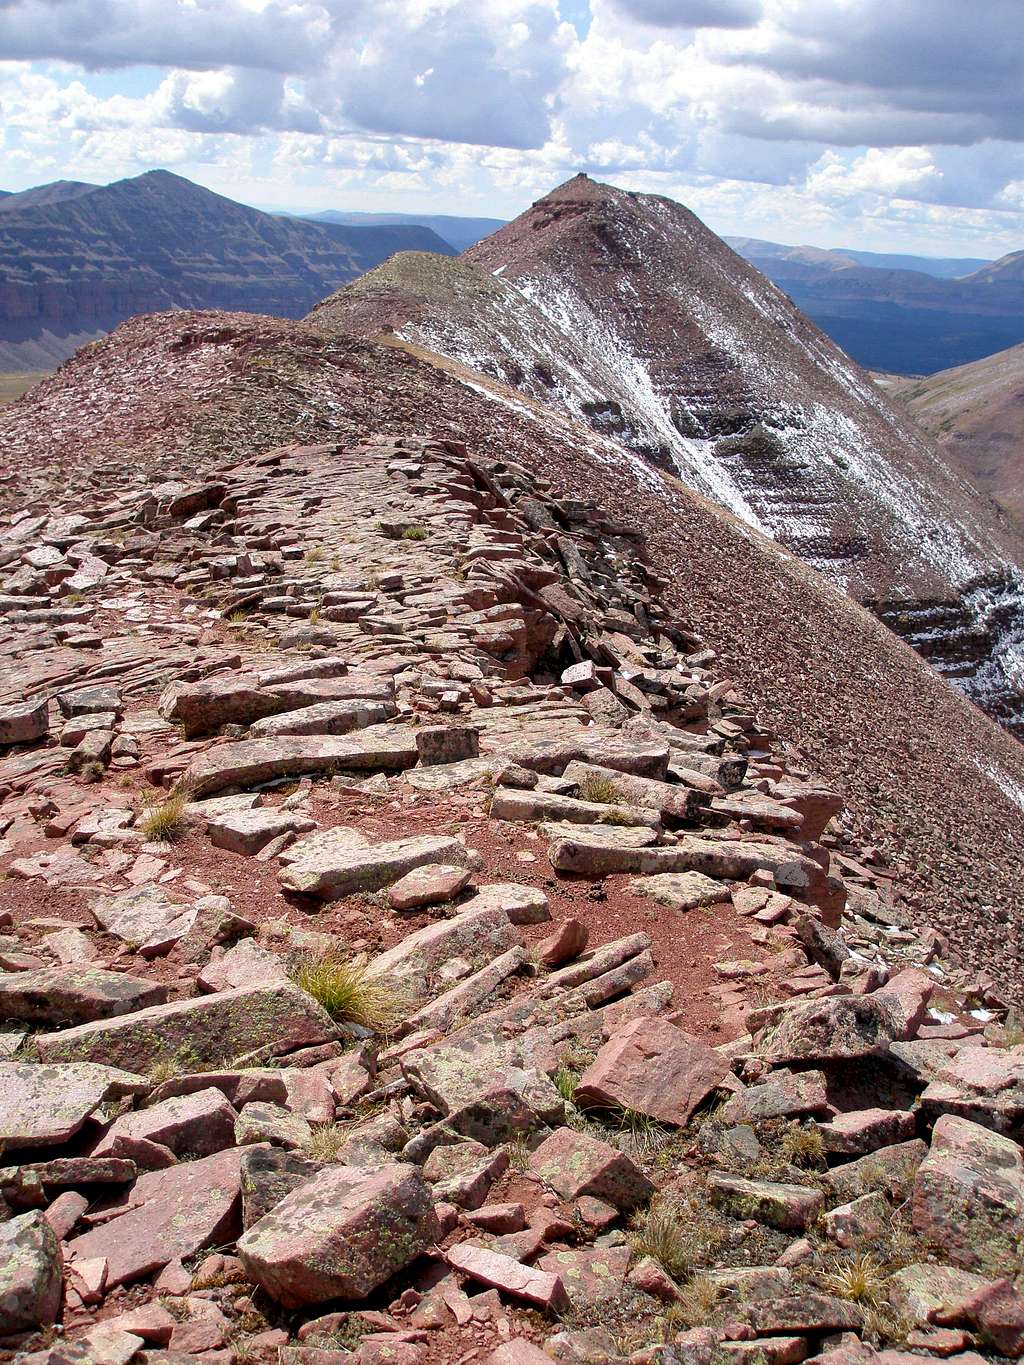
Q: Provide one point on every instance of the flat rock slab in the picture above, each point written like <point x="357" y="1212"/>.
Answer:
<point x="866" y="1130"/>
<point x="326" y="718"/>
<point x="171" y="1214"/>
<point x="330" y="873"/>
<point x="680" y="890"/>
<point x="31" y="1274"/>
<point x="246" y="964"/>
<point x="654" y="1068"/>
<point x="340" y="1234"/>
<point x="430" y="884"/>
<point x="202" y="1123"/>
<point x="75" y="993"/>
<point x="590" y="1274"/>
<point x="41" y="1106"/>
<point x="439" y="955"/>
<point x="576" y="1164"/>
<point x="207" y="1031"/>
<point x="140" y="915"/>
<point x="380" y="748"/>
<point x="783" y="1094"/>
<point x="24" y="722"/>
<point x="537" y="1287"/>
<point x="792" y="1208"/>
<point x="247" y="831"/>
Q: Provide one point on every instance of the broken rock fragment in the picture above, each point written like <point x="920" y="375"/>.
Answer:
<point x="31" y="1268"/>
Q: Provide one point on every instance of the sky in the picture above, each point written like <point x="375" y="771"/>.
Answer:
<point x="891" y="125"/>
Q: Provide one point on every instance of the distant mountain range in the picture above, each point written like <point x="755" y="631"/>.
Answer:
<point x="976" y="413"/>
<point x="77" y="259"/>
<point x="913" y="316"/>
<point x="459" y="233"/>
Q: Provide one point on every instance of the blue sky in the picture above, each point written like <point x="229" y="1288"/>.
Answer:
<point x="891" y="125"/>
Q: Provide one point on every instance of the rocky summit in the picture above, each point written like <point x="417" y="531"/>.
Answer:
<point x="421" y="942"/>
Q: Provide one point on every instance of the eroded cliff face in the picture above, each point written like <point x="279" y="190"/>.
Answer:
<point x="625" y="312"/>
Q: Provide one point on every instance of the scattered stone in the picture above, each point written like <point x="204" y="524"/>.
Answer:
<point x="331" y="868"/>
<point x="575" y="1164"/>
<point x="792" y="1208"/>
<point x="840" y="1028"/>
<point x="24" y="722"/>
<point x="431" y="884"/>
<point x="74" y="993"/>
<point x="42" y="1106"/>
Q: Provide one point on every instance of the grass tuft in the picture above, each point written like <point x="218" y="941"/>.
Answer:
<point x="804" y="1146"/>
<point x="860" y="1279"/>
<point x="326" y="1141"/>
<point x="601" y="790"/>
<point x="696" y="1303"/>
<point x="414" y="533"/>
<point x="566" y="1081"/>
<point x="164" y="821"/>
<point x="348" y="994"/>
<point x="672" y="1233"/>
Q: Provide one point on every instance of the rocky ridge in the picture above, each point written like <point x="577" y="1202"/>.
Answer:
<point x="502" y="987"/>
<point x="626" y="312"/>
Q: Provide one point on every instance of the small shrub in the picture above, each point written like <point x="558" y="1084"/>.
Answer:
<point x="804" y="1146"/>
<point x="601" y="790"/>
<point x="861" y="1279"/>
<point x="165" y="821"/>
<point x="314" y="616"/>
<point x="236" y="618"/>
<point x="315" y="555"/>
<point x="348" y="994"/>
<point x="326" y="1141"/>
<point x="414" y="533"/>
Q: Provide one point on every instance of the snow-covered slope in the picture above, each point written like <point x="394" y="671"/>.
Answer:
<point x="626" y="310"/>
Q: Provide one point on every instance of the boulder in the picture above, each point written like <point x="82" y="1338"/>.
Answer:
<point x="202" y="1123"/>
<point x="654" y="1068"/>
<point x="340" y="1234"/>
<point x="438" y="955"/>
<point x="784" y="1094"/>
<point x="31" y="1274"/>
<point x="968" y="1196"/>
<point x="927" y="1293"/>
<point x="266" y="1175"/>
<point x="431" y="884"/>
<point x="209" y="1030"/>
<point x="75" y="993"/>
<point x="447" y="743"/>
<point x="24" y="722"/>
<point x="247" y="831"/>
<point x="326" y="718"/>
<point x="537" y="1287"/>
<point x="482" y="1092"/>
<point x="680" y="890"/>
<point x="834" y="1029"/>
<point x="866" y="1130"/>
<point x="575" y="1164"/>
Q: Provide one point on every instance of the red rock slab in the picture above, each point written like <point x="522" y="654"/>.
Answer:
<point x="431" y="884"/>
<point x="213" y="1029"/>
<point x="519" y="1351"/>
<point x="202" y="1123"/>
<point x="533" y="1286"/>
<point x="654" y="1068"/>
<point x="866" y="1130"/>
<point x="171" y="1215"/>
<point x="340" y="1234"/>
<point x="575" y="1163"/>
<point x="75" y="994"/>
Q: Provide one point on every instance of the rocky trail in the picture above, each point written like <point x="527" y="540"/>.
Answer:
<point x="416" y="949"/>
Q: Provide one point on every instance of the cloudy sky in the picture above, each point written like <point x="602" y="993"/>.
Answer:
<point x="884" y="124"/>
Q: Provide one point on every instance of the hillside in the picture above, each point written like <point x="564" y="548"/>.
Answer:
<point x="626" y="311"/>
<point x="976" y="413"/>
<point x="76" y="259"/>
<point x="906" y="319"/>
<point x="468" y="897"/>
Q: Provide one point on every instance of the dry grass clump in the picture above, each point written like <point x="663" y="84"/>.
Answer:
<point x="348" y="994"/>
<point x="678" y="1234"/>
<point x="696" y="1303"/>
<point x="164" y="821"/>
<point x="803" y="1145"/>
<point x="414" y="533"/>
<point x="326" y="1141"/>
<point x="860" y="1279"/>
<point x="601" y="790"/>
